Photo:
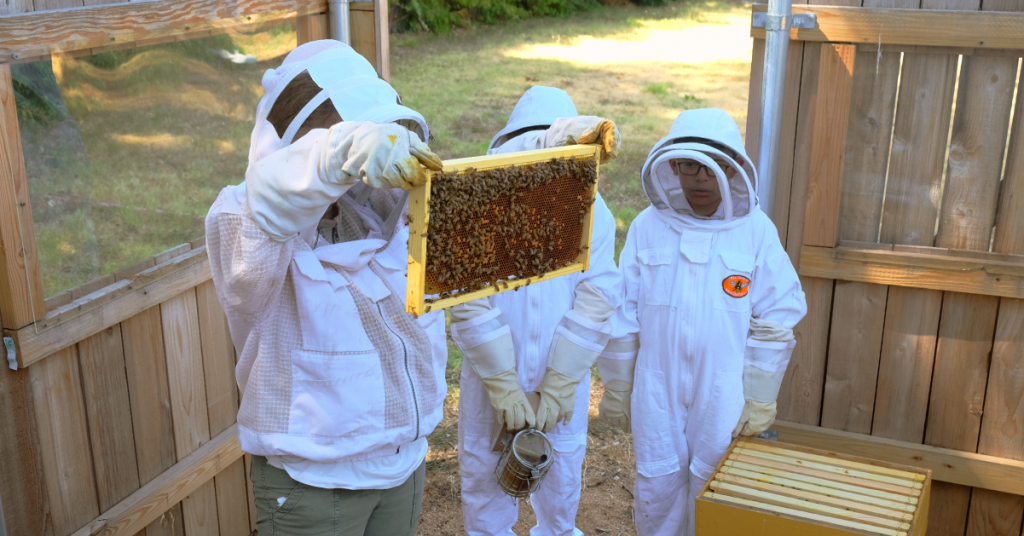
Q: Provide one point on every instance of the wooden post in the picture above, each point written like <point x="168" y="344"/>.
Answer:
<point x="21" y="287"/>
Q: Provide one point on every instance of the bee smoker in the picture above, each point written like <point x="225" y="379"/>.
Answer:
<point x="525" y="461"/>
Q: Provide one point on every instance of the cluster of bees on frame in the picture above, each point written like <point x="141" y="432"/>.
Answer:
<point x="489" y="226"/>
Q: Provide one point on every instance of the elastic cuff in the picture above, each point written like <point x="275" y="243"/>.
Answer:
<point x="616" y="369"/>
<point x="760" y="385"/>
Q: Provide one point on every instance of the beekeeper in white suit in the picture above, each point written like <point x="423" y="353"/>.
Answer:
<point x="340" y="386"/>
<point x="542" y="338"/>
<point x="710" y="302"/>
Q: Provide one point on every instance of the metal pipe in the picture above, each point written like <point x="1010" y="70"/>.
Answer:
<point x="773" y="90"/>
<point x="337" y="13"/>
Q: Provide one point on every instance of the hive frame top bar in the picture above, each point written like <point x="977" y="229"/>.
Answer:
<point x="419" y="216"/>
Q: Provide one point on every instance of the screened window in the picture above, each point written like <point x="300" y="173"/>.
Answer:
<point x="126" y="150"/>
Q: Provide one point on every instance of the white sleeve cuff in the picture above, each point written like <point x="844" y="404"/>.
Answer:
<point x="479" y="330"/>
<point x="627" y="347"/>
<point x="761" y="385"/>
<point x="770" y="356"/>
<point x="616" y="369"/>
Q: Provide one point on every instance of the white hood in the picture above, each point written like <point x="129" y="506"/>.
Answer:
<point x="540" y="106"/>
<point x="347" y="79"/>
<point x="739" y="198"/>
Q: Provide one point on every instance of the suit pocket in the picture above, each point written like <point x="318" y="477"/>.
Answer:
<point x="656" y="273"/>
<point x="336" y="395"/>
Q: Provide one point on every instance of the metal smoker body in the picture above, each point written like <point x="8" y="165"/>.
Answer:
<point x="525" y="461"/>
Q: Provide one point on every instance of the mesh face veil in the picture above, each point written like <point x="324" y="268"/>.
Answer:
<point x="739" y="198"/>
<point x="346" y="78"/>
<point x="540" y="106"/>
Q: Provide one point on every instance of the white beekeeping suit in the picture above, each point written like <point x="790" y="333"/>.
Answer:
<point x="557" y="328"/>
<point x="340" y="386"/>
<point x="711" y="302"/>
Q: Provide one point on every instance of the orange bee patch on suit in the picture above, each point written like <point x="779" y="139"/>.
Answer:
<point x="736" y="286"/>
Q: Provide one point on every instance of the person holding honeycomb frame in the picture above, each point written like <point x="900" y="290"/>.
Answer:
<point x="711" y="299"/>
<point x="543" y="337"/>
<point x="340" y="386"/>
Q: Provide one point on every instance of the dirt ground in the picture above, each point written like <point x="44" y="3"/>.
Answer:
<point x="606" y="503"/>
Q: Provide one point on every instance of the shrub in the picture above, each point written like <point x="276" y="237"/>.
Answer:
<point x="440" y="16"/>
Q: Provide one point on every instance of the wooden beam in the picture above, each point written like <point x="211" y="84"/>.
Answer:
<point x="44" y="32"/>
<point x="380" y="18"/>
<point x="974" y="29"/>
<point x="150" y="501"/>
<point x="116" y="303"/>
<point x="915" y="270"/>
<point x="21" y="287"/>
<point x="947" y="465"/>
<point x="828" y="143"/>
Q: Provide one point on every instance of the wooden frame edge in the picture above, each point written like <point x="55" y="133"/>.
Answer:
<point x="946" y="465"/>
<point x="914" y="270"/>
<point x="926" y="27"/>
<point x="419" y="222"/>
<point x="150" y="501"/>
<point x="41" y="33"/>
<point x="109" y="306"/>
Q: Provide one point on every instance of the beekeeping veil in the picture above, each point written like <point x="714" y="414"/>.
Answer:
<point x="539" y="107"/>
<point x="739" y="198"/>
<point x="358" y="94"/>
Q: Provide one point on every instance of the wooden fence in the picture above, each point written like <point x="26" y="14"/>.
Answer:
<point x="901" y="201"/>
<point x="120" y="417"/>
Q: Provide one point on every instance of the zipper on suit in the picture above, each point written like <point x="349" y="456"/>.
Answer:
<point x="408" y="375"/>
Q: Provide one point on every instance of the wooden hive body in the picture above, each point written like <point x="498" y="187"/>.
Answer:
<point x="466" y="242"/>
<point x="776" y="489"/>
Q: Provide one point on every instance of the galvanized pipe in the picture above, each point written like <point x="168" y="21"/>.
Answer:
<point x="337" y="13"/>
<point x="773" y="90"/>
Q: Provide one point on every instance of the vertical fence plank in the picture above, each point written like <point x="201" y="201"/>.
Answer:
<point x="970" y="194"/>
<point x="853" y="352"/>
<point x="22" y="487"/>
<point x="146" y="367"/>
<point x="993" y="513"/>
<point x="180" y="320"/>
<point x="364" y="35"/>
<point x="380" y="20"/>
<point x="905" y="367"/>
<point x="872" y="107"/>
<point x="248" y="488"/>
<point x="107" y="405"/>
<point x="966" y="218"/>
<point x="800" y="395"/>
<point x="858" y="313"/>
<point x="312" y="28"/>
<point x="828" y="143"/>
<point x="22" y="300"/>
<point x="64" y="441"/>
<point x="222" y="406"/>
<point x="909" y="213"/>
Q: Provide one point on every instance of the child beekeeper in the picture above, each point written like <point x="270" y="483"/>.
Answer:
<point x="542" y="338"/>
<point x="340" y="386"/>
<point x="710" y="302"/>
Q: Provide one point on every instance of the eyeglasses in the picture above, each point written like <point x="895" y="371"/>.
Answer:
<point x="692" y="167"/>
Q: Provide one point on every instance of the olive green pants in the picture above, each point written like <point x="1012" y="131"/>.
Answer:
<point x="310" y="511"/>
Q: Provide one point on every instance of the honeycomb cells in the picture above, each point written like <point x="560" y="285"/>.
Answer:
<point x="488" y="226"/>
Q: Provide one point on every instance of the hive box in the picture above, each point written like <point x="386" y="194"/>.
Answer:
<point x="776" y="489"/>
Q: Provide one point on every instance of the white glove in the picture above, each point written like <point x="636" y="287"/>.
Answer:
<point x="486" y="342"/>
<point x="617" y="365"/>
<point x="767" y="354"/>
<point x="387" y="156"/>
<point x="756" y="418"/>
<point x="585" y="129"/>
<point x="289" y="190"/>
<point x="579" y="339"/>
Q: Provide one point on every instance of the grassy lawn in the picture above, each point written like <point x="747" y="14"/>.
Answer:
<point x="637" y="66"/>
